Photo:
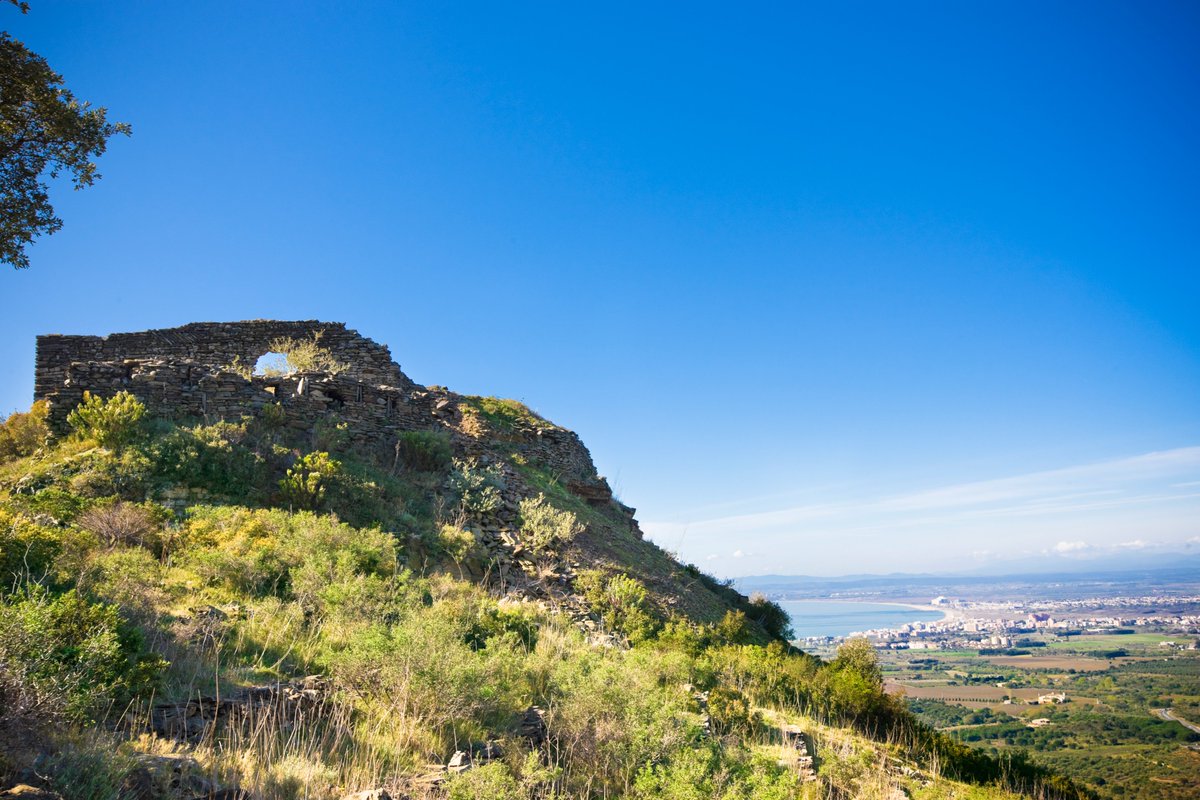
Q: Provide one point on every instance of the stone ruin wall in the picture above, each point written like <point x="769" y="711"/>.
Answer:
<point x="185" y="373"/>
<point x="216" y="345"/>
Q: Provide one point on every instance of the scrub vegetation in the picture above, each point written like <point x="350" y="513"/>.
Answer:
<point x="194" y="608"/>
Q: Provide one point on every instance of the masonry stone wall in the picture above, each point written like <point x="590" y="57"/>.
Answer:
<point x="216" y="345"/>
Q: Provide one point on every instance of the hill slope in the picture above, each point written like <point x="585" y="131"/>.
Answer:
<point x="254" y="607"/>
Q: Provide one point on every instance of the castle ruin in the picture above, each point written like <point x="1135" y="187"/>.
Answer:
<point x="201" y="371"/>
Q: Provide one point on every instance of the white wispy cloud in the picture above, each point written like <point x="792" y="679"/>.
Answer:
<point x="1087" y="479"/>
<point x="1141" y="502"/>
<point x="1089" y="486"/>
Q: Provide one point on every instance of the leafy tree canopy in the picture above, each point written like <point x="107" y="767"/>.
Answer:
<point x="44" y="132"/>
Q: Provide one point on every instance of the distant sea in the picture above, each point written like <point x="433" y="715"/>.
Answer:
<point x="832" y="618"/>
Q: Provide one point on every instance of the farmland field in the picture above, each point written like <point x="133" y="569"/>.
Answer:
<point x="1086" y="642"/>
<point x="1061" y="663"/>
<point x="966" y="695"/>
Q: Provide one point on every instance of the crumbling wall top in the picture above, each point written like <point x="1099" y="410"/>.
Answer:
<point x="215" y="344"/>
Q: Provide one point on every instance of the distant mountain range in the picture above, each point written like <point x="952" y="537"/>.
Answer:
<point x="1124" y="561"/>
<point x="1131" y="573"/>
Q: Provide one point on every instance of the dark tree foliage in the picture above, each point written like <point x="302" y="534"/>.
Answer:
<point x="44" y="132"/>
<point x="771" y="616"/>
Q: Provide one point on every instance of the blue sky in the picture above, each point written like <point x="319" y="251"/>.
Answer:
<point x="826" y="288"/>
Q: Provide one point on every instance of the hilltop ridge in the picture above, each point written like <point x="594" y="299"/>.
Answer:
<point x="205" y="371"/>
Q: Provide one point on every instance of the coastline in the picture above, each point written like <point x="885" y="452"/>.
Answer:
<point x="946" y="613"/>
<point x="943" y="613"/>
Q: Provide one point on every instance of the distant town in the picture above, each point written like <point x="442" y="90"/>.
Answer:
<point x="1005" y="626"/>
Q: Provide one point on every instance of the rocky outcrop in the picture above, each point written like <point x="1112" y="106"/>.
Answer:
<point x="195" y="718"/>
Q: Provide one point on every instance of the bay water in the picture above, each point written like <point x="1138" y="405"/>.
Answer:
<point x="839" y="618"/>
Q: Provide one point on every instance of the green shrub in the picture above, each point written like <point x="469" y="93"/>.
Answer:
<point x="308" y="479"/>
<point x="545" y="528"/>
<point x="110" y="423"/>
<point x="620" y="600"/>
<point x="683" y="635"/>
<point x="767" y="675"/>
<point x="331" y="434"/>
<point x="27" y="550"/>
<point x="850" y="689"/>
<point x="477" y="488"/>
<point x="771" y="616"/>
<point x="496" y="781"/>
<point x="733" y="628"/>
<point x="610" y="717"/>
<point x="23" y="433"/>
<point x="214" y="458"/>
<point x="59" y="505"/>
<point x="489" y="782"/>
<point x="688" y="775"/>
<point x="71" y="657"/>
<point x="424" y="451"/>
<point x="458" y="544"/>
<point x="301" y="556"/>
<point x="493" y="621"/>
<point x="859" y="656"/>
<point x="730" y="712"/>
<point x="92" y="770"/>
<point x="421" y="674"/>
<point x="127" y="472"/>
<point x="272" y="417"/>
<point x="706" y="771"/>
<point x="129" y="578"/>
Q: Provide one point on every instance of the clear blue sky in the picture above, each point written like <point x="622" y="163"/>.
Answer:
<point x="826" y="288"/>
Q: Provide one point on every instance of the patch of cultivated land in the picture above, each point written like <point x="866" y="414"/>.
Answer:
<point x="964" y="695"/>
<point x="1110" y="641"/>
<point x="1062" y="663"/>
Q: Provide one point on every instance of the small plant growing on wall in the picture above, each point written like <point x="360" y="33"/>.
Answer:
<point x="240" y="367"/>
<point x="288" y="355"/>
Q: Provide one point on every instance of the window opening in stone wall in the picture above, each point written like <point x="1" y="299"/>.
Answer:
<point x="271" y="365"/>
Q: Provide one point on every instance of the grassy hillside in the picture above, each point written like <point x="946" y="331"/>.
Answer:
<point x="243" y="609"/>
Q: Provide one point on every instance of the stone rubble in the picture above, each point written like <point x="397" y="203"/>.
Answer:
<point x="796" y="756"/>
<point x="193" y="719"/>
